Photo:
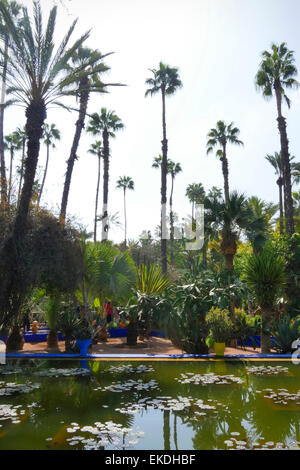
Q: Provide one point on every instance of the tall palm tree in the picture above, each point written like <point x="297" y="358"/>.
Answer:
<point x="35" y="79"/>
<point x="11" y="143"/>
<point x="165" y="80"/>
<point x="107" y="123"/>
<point x="22" y="136"/>
<point x="125" y="183"/>
<point x="14" y="10"/>
<point x="220" y="136"/>
<point x="195" y="192"/>
<point x="97" y="149"/>
<point x="50" y="134"/>
<point x="276" y="73"/>
<point x="92" y="66"/>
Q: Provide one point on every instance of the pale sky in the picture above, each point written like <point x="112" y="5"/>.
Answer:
<point x="216" y="44"/>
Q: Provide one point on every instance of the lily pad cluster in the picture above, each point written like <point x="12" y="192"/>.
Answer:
<point x="236" y="443"/>
<point x="10" y="370"/>
<point x="129" y="369"/>
<point x="169" y="404"/>
<point x="208" y="379"/>
<point x="102" y="435"/>
<point x="137" y="385"/>
<point x="62" y="372"/>
<point x="11" y="413"/>
<point x="267" y="370"/>
<point x="13" y="388"/>
<point x="282" y="396"/>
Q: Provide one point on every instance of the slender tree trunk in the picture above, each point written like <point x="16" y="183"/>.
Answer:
<point x="13" y="284"/>
<point x="265" y="330"/>
<point x="45" y="174"/>
<point x="2" y="157"/>
<point x="280" y="182"/>
<point x="225" y="174"/>
<point x="22" y="169"/>
<point x="172" y="223"/>
<point x="10" y="173"/>
<point x="105" y="226"/>
<point x="97" y="197"/>
<point x="175" y="432"/>
<point x="84" y="98"/>
<point x="164" y="171"/>
<point x="125" y="217"/>
<point x="286" y="166"/>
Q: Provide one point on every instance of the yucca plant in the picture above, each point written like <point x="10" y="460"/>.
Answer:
<point x="264" y="274"/>
<point x="68" y="323"/>
<point x="285" y="332"/>
<point x="150" y="279"/>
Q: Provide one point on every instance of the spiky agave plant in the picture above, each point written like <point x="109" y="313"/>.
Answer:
<point x="264" y="274"/>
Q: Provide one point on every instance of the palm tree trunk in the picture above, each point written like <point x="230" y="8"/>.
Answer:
<point x="280" y="182"/>
<point x="286" y="166"/>
<point x="22" y="169"/>
<point x="12" y="262"/>
<point x="97" y="197"/>
<point x="10" y="173"/>
<point x="125" y="217"/>
<point x="45" y="174"/>
<point x="225" y="174"/>
<point x="2" y="157"/>
<point x="105" y="227"/>
<point x="172" y="223"/>
<point x="164" y="187"/>
<point x="84" y="98"/>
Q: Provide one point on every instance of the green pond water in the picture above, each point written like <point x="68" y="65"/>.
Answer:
<point x="144" y="405"/>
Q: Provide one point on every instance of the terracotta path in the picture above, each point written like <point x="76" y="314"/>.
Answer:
<point x="118" y="346"/>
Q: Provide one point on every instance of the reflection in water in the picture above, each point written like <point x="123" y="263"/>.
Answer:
<point x="102" y="405"/>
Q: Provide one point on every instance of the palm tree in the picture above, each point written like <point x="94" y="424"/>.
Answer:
<point x="11" y="143"/>
<point x="22" y="136"/>
<point x="230" y="219"/>
<point x="195" y="192"/>
<point x="276" y="73"/>
<point x="50" y="134"/>
<point x="165" y="80"/>
<point x="221" y="136"/>
<point x="106" y="124"/>
<point x="264" y="274"/>
<point x="14" y="10"/>
<point x="125" y="183"/>
<point x="90" y="62"/>
<point x="35" y="78"/>
<point x="97" y="149"/>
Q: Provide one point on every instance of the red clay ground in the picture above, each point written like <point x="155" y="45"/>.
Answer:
<point x="118" y="346"/>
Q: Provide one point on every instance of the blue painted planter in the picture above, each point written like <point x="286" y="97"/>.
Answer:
<point x="83" y="344"/>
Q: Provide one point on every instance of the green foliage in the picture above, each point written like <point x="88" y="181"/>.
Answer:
<point x="220" y="325"/>
<point x="285" y="332"/>
<point x="52" y="311"/>
<point x="106" y="272"/>
<point x="264" y="274"/>
<point x="244" y="327"/>
<point x="150" y="279"/>
<point x="182" y="317"/>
